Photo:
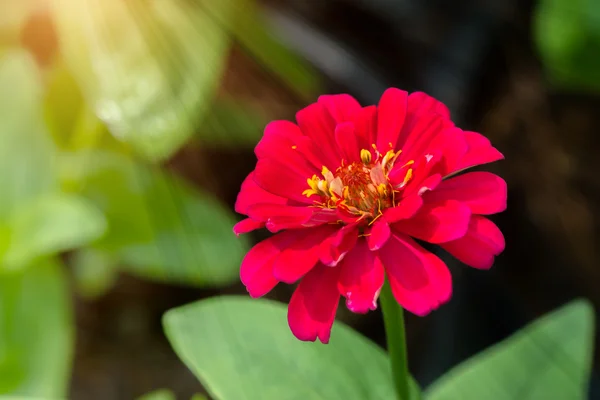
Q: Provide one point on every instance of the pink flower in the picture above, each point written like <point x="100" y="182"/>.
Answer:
<point x="347" y="190"/>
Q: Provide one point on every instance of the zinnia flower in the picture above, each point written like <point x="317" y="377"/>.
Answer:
<point x="348" y="189"/>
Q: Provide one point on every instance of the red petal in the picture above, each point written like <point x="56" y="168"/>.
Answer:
<point x="420" y="105"/>
<point x="379" y="234"/>
<point x="451" y="144"/>
<point x="418" y="142"/>
<point x="365" y="122"/>
<point x="361" y="279"/>
<point x="247" y="225"/>
<point x="347" y="142"/>
<point x="437" y="222"/>
<point x="316" y="123"/>
<point x="256" y="270"/>
<point x="407" y="208"/>
<point x="300" y="256"/>
<point x="420" y="281"/>
<point x="278" y="179"/>
<point x="277" y="134"/>
<point x="251" y="193"/>
<point x="483" y="192"/>
<point x="482" y="242"/>
<point x="391" y="113"/>
<point x="313" y="305"/>
<point x="334" y="249"/>
<point x="480" y="151"/>
<point x="342" y="107"/>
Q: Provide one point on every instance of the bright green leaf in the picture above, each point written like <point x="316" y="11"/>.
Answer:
<point x="548" y="359"/>
<point x="149" y="68"/>
<point x="161" y="394"/>
<point x="36" y="332"/>
<point x="247" y="342"/>
<point x="27" y="156"/>
<point x="199" y="396"/>
<point x="49" y="225"/>
<point x="159" y="226"/>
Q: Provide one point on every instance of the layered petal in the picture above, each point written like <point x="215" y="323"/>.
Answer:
<point x="313" y="305"/>
<point x="437" y="222"/>
<point x="341" y="107"/>
<point x="251" y="194"/>
<point x="378" y="234"/>
<point x="419" y="280"/>
<point x="479" y="246"/>
<point x="247" y="225"/>
<point x="365" y="123"/>
<point x="347" y="142"/>
<point x="334" y="249"/>
<point x="278" y="179"/>
<point x="300" y="256"/>
<point x="256" y="271"/>
<point x="421" y="105"/>
<point x="483" y="192"/>
<point x="361" y="279"/>
<point x="391" y="113"/>
<point x="480" y="151"/>
<point x="317" y="124"/>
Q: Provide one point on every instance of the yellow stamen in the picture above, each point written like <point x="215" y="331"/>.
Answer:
<point x="365" y="156"/>
<point x="294" y="147"/>
<point x="408" y="176"/>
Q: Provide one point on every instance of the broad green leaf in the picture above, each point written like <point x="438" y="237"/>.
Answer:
<point x="94" y="271"/>
<point x="242" y="348"/>
<point x="159" y="227"/>
<point x="36" y="332"/>
<point x="161" y="394"/>
<point x="148" y="68"/>
<point x="27" y="156"/>
<point x="548" y="359"/>
<point x="49" y="225"/>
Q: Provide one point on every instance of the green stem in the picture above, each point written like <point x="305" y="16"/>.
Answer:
<point x="393" y="320"/>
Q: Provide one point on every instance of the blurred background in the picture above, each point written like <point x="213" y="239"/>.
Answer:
<point x="127" y="127"/>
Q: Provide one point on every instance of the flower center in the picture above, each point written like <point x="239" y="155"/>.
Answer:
<point x="361" y="188"/>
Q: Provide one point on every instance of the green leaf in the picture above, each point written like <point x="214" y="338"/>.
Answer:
<point x="149" y="69"/>
<point x="548" y="359"/>
<point x="27" y="156"/>
<point x="159" y="227"/>
<point x="161" y="394"/>
<point x="248" y="342"/>
<point x="49" y="225"/>
<point x="36" y="332"/>
<point x="199" y="396"/>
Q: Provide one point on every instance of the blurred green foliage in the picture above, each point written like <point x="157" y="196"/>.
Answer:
<point x="567" y="34"/>
<point x="83" y="132"/>
<point x="247" y="340"/>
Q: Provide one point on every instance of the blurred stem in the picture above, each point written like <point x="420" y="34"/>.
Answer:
<point x="393" y="319"/>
